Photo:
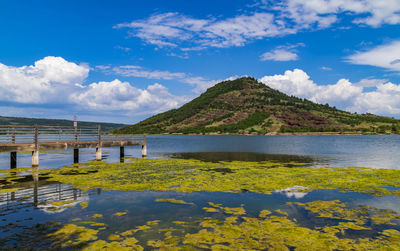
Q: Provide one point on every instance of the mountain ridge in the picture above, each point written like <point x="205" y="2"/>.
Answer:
<point x="245" y="106"/>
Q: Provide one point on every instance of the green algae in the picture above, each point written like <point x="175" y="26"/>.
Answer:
<point x="227" y="210"/>
<point x="193" y="175"/>
<point x="114" y="237"/>
<point x="84" y="204"/>
<point x="120" y="213"/>
<point x="72" y="235"/>
<point x="93" y="223"/>
<point x="275" y="232"/>
<point x="270" y="231"/>
<point x="174" y="201"/>
<point x="355" y="217"/>
<point x="211" y="210"/>
<point x="152" y="223"/>
<point x="237" y="229"/>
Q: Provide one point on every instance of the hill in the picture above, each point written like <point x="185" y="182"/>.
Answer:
<point x="105" y="127"/>
<point x="245" y="106"/>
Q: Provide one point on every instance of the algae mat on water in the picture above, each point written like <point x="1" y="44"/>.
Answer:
<point x="235" y="230"/>
<point x="238" y="176"/>
<point x="224" y="228"/>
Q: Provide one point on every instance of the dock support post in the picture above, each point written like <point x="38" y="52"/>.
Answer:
<point x="76" y="155"/>
<point x="13" y="160"/>
<point x="121" y="152"/>
<point x="35" y="158"/>
<point x="98" y="149"/>
<point x="98" y="153"/>
<point x="144" y="147"/>
<point x="13" y="155"/>
<point x="35" y="153"/>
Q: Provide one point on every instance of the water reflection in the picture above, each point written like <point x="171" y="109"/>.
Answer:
<point x="247" y="156"/>
<point x="35" y="191"/>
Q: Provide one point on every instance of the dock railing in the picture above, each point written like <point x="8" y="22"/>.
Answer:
<point x="14" y="138"/>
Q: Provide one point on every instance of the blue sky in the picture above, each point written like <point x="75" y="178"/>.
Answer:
<point x="123" y="61"/>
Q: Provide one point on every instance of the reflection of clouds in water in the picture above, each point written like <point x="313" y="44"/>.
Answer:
<point x="53" y="209"/>
<point x="375" y="161"/>
<point x="294" y="191"/>
<point x="387" y="202"/>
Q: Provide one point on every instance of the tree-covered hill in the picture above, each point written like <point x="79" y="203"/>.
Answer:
<point x="245" y="106"/>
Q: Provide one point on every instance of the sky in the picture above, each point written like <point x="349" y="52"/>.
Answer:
<point x="123" y="60"/>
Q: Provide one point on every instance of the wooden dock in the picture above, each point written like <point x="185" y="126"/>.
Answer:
<point x="15" y="139"/>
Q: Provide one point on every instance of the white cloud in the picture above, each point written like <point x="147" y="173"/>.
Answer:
<point x="53" y="83"/>
<point x="384" y="100"/>
<point x="125" y="49"/>
<point x="282" y="53"/>
<point x="295" y="82"/>
<point x="200" y="83"/>
<point x="117" y="95"/>
<point x="384" y="56"/>
<point x="170" y="29"/>
<point x="270" y="19"/>
<point x="46" y="80"/>
<point x="279" y="55"/>
<point x="325" y="12"/>
<point x="371" y="82"/>
<point x="137" y="71"/>
<point x="326" y="68"/>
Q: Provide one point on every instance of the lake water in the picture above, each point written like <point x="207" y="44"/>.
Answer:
<point x="22" y="210"/>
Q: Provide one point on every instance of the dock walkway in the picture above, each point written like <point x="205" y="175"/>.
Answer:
<point x="15" y="139"/>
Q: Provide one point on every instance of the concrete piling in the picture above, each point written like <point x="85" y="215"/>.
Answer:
<point x="98" y="153"/>
<point x="35" y="158"/>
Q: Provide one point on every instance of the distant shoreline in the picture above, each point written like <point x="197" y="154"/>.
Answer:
<point x="275" y="134"/>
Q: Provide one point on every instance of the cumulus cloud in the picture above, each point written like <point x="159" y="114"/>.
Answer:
<point x="270" y="19"/>
<point x="384" y="99"/>
<point x="55" y="82"/>
<point x="117" y="95"/>
<point x="371" y="82"/>
<point x="385" y="56"/>
<point x="42" y="82"/>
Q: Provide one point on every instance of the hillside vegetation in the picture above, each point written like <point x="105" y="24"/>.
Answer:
<point x="105" y="127"/>
<point x="245" y="106"/>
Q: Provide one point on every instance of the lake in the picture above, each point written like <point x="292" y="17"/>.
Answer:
<point x="41" y="206"/>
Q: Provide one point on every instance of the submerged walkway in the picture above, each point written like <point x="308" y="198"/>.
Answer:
<point x="15" y="139"/>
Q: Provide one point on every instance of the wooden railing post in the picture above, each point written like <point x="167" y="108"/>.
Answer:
<point x="13" y="135"/>
<point x="35" y="152"/>
<point x="98" y="149"/>
<point x="76" y="133"/>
